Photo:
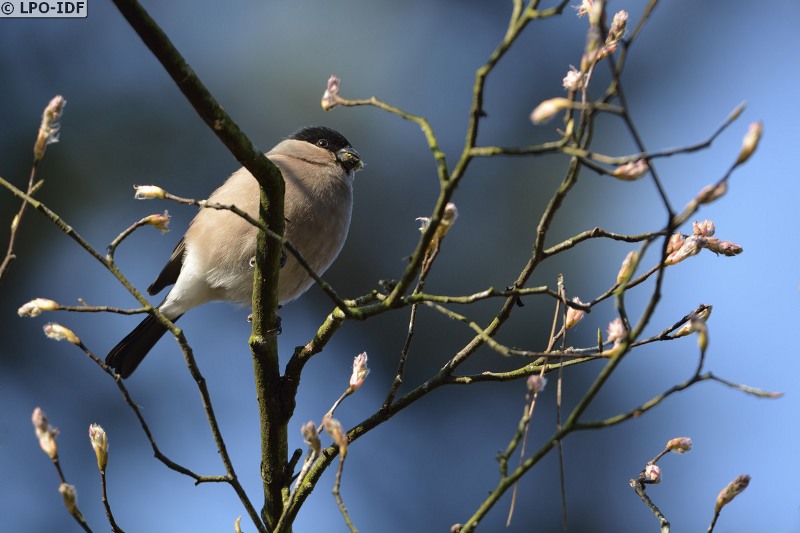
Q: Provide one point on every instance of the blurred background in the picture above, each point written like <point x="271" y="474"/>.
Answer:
<point x="432" y="465"/>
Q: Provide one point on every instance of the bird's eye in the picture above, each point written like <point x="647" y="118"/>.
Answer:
<point x="323" y="143"/>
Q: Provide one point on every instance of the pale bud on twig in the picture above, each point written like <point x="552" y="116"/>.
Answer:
<point x="237" y="525"/>
<point x="331" y="95"/>
<point x="619" y="25"/>
<point x="574" y="315"/>
<point x="311" y="437"/>
<point x="334" y="428"/>
<point x="631" y="171"/>
<point x="627" y="267"/>
<point x="688" y="328"/>
<point x="548" y="109"/>
<point x="705" y="228"/>
<point x="360" y="372"/>
<point x="573" y="81"/>
<point x="691" y="246"/>
<point x="750" y="141"/>
<point x="36" y="306"/>
<point x="160" y="222"/>
<point x="726" y="248"/>
<point x="652" y="474"/>
<point x="147" y="192"/>
<point x="709" y="193"/>
<point x="679" y="444"/>
<point x="536" y="383"/>
<point x="70" y="498"/>
<point x="45" y="433"/>
<point x="57" y="332"/>
<point x="48" y="129"/>
<point x="97" y="436"/>
<point x="731" y="490"/>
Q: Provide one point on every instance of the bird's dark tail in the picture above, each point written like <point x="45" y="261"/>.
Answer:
<point x="126" y="356"/>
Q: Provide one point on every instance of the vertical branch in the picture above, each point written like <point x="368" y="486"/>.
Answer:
<point x="265" y="300"/>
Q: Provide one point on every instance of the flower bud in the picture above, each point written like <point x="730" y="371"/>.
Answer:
<point x="704" y="228"/>
<point x="631" y="171"/>
<point x="45" y="433"/>
<point x="536" y="383"/>
<point x="574" y="79"/>
<point x="679" y="444"/>
<point x="627" y="268"/>
<point x="652" y="474"/>
<point x="48" y="130"/>
<point x="616" y="331"/>
<point x="70" y="498"/>
<point x="619" y="25"/>
<point x="311" y="436"/>
<point x="331" y="95"/>
<point x="147" y="192"/>
<point x="57" y="332"/>
<point x="731" y="490"/>
<point x="709" y="193"/>
<point x="334" y="428"/>
<point x="97" y="436"/>
<point x="675" y="242"/>
<point x="360" y="372"/>
<point x="750" y="141"/>
<point x="160" y="222"/>
<point x="689" y="327"/>
<point x="36" y="306"/>
<point x="726" y="248"/>
<point x="574" y="315"/>
<point x="548" y="109"/>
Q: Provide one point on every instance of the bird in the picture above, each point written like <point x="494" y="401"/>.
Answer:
<point x="214" y="260"/>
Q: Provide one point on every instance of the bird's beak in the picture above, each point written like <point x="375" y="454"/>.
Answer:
<point x="349" y="159"/>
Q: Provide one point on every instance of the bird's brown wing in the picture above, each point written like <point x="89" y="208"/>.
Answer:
<point x="169" y="274"/>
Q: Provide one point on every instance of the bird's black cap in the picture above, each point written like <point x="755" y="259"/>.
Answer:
<point x="327" y="138"/>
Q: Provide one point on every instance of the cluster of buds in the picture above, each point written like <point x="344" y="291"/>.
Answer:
<point x="45" y="433"/>
<point x="97" y="436"/>
<point x="680" y="247"/>
<point x="574" y="315"/>
<point x="731" y="490"/>
<point x="48" y="129"/>
<point x="331" y="96"/>
<point x="36" y="306"/>
<point x="57" y="332"/>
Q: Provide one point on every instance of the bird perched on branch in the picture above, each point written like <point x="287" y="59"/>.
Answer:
<point x="215" y="259"/>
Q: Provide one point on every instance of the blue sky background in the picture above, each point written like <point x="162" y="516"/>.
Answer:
<point x="267" y="63"/>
